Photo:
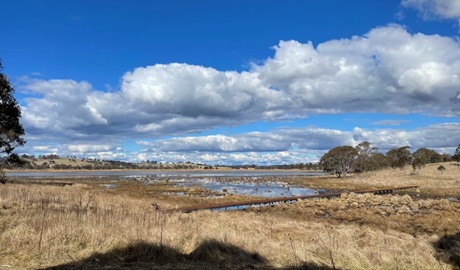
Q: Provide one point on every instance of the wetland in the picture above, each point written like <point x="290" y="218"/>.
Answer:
<point x="108" y="222"/>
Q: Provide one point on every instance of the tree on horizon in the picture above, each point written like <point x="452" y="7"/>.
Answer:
<point x="340" y="160"/>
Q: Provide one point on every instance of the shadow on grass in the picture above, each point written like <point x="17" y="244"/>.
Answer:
<point x="448" y="249"/>
<point x="211" y="254"/>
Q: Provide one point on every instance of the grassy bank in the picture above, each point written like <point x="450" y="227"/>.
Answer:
<point x="432" y="182"/>
<point x="84" y="226"/>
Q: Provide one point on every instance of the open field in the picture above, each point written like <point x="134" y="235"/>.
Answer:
<point x="87" y="226"/>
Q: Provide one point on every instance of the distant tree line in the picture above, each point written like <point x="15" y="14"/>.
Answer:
<point x="55" y="162"/>
<point x="340" y="160"/>
<point x="364" y="157"/>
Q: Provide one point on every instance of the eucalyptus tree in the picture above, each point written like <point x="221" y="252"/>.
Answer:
<point x="399" y="157"/>
<point x="424" y="156"/>
<point x="339" y="160"/>
<point x="366" y="152"/>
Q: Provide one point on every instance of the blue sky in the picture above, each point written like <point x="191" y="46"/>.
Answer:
<point x="233" y="82"/>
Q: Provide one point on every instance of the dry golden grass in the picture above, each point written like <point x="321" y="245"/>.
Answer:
<point x="82" y="226"/>
<point x="401" y="213"/>
<point x="60" y="161"/>
<point x="432" y="182"/>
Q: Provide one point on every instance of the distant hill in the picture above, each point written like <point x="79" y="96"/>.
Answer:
<point x="55" y="162"/>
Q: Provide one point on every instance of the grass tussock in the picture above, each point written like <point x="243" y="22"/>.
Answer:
<point x="402" y="213"/>
<point x="82" y="227"/>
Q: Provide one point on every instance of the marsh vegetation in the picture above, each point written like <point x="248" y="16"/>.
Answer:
<point x="86" y="225"/>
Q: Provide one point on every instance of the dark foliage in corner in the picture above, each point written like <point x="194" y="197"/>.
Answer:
<point x="11" y="130"/>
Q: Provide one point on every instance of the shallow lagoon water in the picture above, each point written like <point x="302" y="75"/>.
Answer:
<point x="137" y="173"/>
<point x="258" y="187"/>
<point x="251" y="183"/>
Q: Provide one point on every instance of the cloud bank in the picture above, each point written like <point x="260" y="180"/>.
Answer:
<point x="279" y="146"/>
<point x="387" y="70"/>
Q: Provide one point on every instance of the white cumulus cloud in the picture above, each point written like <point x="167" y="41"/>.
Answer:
<point x="443" y="9"/>
<point x="85" y="148"/>
<point x="387" y="70"/>
<point x="64" y="104"/>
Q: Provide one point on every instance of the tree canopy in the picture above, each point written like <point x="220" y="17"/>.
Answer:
<point x="399" y="157"/>
<point x="339" y="159"/>
<point x="369" y="158"/>
<point x="11" y="130"/>
<point x="456" y="155"/>
<point x="424" y="156"/>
